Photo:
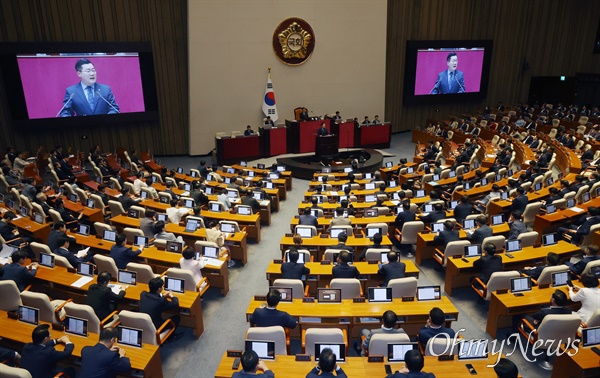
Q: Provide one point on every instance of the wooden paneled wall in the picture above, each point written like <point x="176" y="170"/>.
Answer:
<point x="556" y="37"/>
<point x="161" y="22"/>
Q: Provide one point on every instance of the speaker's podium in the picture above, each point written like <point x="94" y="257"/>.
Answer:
<point x="327" y="146"/>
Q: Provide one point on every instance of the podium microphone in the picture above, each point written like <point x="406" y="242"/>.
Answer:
<point x="65" y="105"/>
<point x="109" y="104"/>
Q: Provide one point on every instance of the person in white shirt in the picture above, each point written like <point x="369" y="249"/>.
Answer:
<point x="150" y="188"/>
<point x="177" y="211"/>
<point x="224" y="199"/>
<point x="20" y="162"/>
<point x="161" y="233"/>
<point x="187" y="262"/>
<point x="138" y="184"/>
<point x="589" y="296"/>
<point x="215" y="235"/>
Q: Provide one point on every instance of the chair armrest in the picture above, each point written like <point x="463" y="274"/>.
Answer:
<point x="345" y="333"/>
<point x="108" y="318"/>
<point x="362" y="340"/>
<point x="199" y="286"/>
<point x="306" y="288"/>
<point x="161" y="328"/>
<point x="163" y="274"/>
<point x="528" y="335"/>
<point x="362" y="294"/>
<point x="287" y="339"/>
<point x="60" y="307"/>
<point x="481" y="292"/>
<point x="303" y="340"/>
<point x="398" y="234"/>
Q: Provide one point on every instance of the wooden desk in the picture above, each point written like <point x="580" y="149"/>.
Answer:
<point x="356" y="222"/>
<point x="549" y="223"/>
<point x="146" y="359"/>
<point x="321" y="275"/>
<point x="426" y="247"/>
<point x="584" y="364"/>
<point x="280" y="183"/>
<point x="317" y="245"/>
<point x="57" y="282"/>
<point x="94" y="215"/>
<point x="287" y="175"/>
<point x="458" y="272"/>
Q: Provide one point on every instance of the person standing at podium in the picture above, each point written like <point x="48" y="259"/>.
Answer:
<point x="323" y="130"/>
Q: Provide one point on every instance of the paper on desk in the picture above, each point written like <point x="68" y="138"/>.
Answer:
<point x="83" y="252"/>
<point x="577" y="209"/>
<point x="213" y="262"/>
<point x="264" y="203"/>
<point x="82" y="281"/>
<point x="491" y="155"/>
<point x="115" y="288"/>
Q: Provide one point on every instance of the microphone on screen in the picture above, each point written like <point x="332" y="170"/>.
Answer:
<point x="65" y="105"/>
<point x="109" y="104"/>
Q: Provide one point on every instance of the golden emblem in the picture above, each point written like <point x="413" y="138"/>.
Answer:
<point x="294" y="41"/>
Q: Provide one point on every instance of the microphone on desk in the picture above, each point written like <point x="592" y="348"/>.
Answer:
<point x="109" y="104"/>
<point x="65" y="105"/>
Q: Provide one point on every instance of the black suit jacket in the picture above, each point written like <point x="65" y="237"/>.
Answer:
<point x="403" y="217"/>
<point x="154" y="304"/>
<point x="267" y="317"/>
<point x="40" y="360"/>
<point x="392" y="271"/>
<point x="100" y="362"/>
<point x="343" y="246"/>
<point x="123" y="255"/>
<point x="479" y="234"/>
<point x="434" y="216"/>
<point x="519" y="203"/>
<point x="71" y="257"/>
<point x="557" y="310"/>
<point x="445" y="237"/>
<point x="345" y="271"/>
<point x="462" y="210"/>
<point x="488" y="265"/>
<point x="6" y="231"/>
<point x="127" y="202"/>
<point x="99" y="298"/>
<point x="79" y="105"/>
<point x="308" y="220"/>
<point x="19" y="274"/>
<point x="66" y="215"/>
<point x="293" y="271"/>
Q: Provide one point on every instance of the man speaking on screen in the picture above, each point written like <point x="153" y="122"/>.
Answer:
<point x="450" y="80"/>
<point x="88" y="97"/>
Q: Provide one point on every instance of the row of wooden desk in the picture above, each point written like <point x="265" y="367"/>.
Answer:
<point x="317" y="245"/>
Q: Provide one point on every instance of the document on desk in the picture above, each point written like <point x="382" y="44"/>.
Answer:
<point x="115" y="288"/>
<point x="577" y="209"/>
<point x="82" y="281"/>
<point x="83" y="252"/>
<point x="213" y="262"/>
<point x="264" y="203"/>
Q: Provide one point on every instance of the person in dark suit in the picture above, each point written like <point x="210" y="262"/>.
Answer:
<point x="388" y="325"/>
<point x="12" y="236"/>
<point x="517" y="227"/>
<point x="105" y="359"/>
<point x="342" y="269"/>
<point x="488" y="263"/>
<point x="9" y="355"/>
<point x="392" y="269"/>
<point x="40" y="358"/>
<point x="434" y="326"/>
<point x="482" y="232"/>
<point x="154" y="303"/>
<point x="327" y="364"/>
<point x="578" y="232"/>
<point x="126" y="200"/>
<point x="304" y="116"/>
<point x="249" y="200"/>
<point x="590" y="253"/>
<point x="558" y="301"/>
<point x="342" y="238"/>
<point x="121" y="254"/>
<point x="447" y="235"/>
<point x="437" y="214"/>
<point x="18" y="272"/>
<point x="63" y="250"/>
<point x="405" y="216"/>
<point x="307" y="219"/>
<point x="292" y="269"/>
<point x="552" y="259"/>
<point x="520" y="201"/>
<point x="505" y="368"/>
<point x="101" y="298"/>
<point x="65" y="214"/>
<point x="88" y="97"/>
<point x="249" y="130"/>
<point x="270" y="316"/>
<point x="414" y="364"/>
<point x="251" y="364"/>
<point x="463" y="209"/>
<point x="323" y="130"/>
<point x="377" y="239"/>
<point x="450" y="80"/>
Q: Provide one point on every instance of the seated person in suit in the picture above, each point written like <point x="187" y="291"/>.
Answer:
<point x="63" y="250"/>
<point x="437" y="214"/>
<point x="405" y="216"/>
<point x="250" y="364"/>
<point x="377" y="239"/>
<point x="505" y="368"/>
<point x="121" y="254"/>
<point x="268" y="121"/>
<point x="517" y="227"/>
<point x="270" y="316"/>
<point x="59" y="230"/>
<point x="307" y="219"/>
<point x="414" y="364"/>
<point x="519" y="201"/>
<point x="376" y="120"/>
<point x="552" y="259"/>
<point x="304" y="115"/>
<point x="188" y="262"/>
<point x="434" y="326"/>
<point x="249" y="130"/>
<point x="147" y="223"/>
<point x="292" y="269"/>
<point x="366" y="121"/>
<point x="346" y="205"/>
<point x="104" y="359"/>
<point x="40" y="358"/>
<point x="554" y="196"/>
<point x="10" y="357"/>
<point x="392" y="269"/>
<point x="343" y="269"/>
<point x="388" y="325"/>
<point x="340" y="220"/>
<point x="17" y="271"/>
<point x="482" y="231"/>
<point x="101" y="298"/>
<point x="463" y="209"/>
<point x="488" y="263"/>
<point x="590" y="253"/>
<point x="249" y="200"/>
<point x="154" y="303"/>
<point x="327" y="364"/>
<point x="482" y="203"/>
<point x="447" y="235"/>
<point x="342" y="238"/>
<point x="582" y="227"/>
<point x="558" y="301"/>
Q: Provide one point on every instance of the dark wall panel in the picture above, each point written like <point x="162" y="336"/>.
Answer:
<point x="160" y="22"/>
<point x="556" y="37"/>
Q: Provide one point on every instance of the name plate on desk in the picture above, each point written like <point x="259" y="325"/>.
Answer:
<point x="303" y="357"/>
<point x="260" y="297"/>
<point x="308" y="300"/>
<point x="324" y="236"/>
<point x="373" y="262"/>
<point x="544" y="286"/>
<point x="13" y="315"/>
<point x="408" y="299"/>
<point x="289" y="235"/>
<point x="71" y="270"/>
<point x="457" y="256"/>
<point x="234" y="353"/>
<point x="376" y="358"/>
<point x="58" y="327"/>
<point x="358" y="216"/>
<point x="325" y="262"/>
<point x="446" y="357"/>
<point x="502" y="291"/>
<point x="358" y="300"/>
<point x="277" y="261"/>
<point x="359" y="236"/>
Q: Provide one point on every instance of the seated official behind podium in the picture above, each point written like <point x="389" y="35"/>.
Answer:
<point x="392" y="269"/>
<point x="250" y="364"/>
<point x="292" y="269"/>
<point x="414" y="364"/>
<point x="388" y="324"/>
<point x="327" y="364"/>
<point x="270" y="315"/>
<point x="323" y="130"/>
<point x="304" y="115"/>
<point x="434" y="326"/>
<point x="249" y="130"/>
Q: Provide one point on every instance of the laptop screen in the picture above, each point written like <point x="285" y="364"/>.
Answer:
<point x="472" y="349"/>
<point x="469" y="223"/>
<point x="269" y="185"/>
<point x="453" y="204"/>
<point x="383" y="257"/>
<point x="497" y="219"/>
<point x="73" y="197"/>
<point x="162" y="217"/>
<point x="29" y="314"/>
<point x="227" y="227"/>
<point x="212" y="252"/>
<point x="179" y="170"/>
<point x="264" y="349"/>
<point x="591" y="336"/>
<point x="370" y="186"/>
<point x="38" y="218"/>
<point x="427" y="208"/>
<point x="326" y="170"/>
<point x="380" y="294"/>
<point x="140" y="241"/>
<point x="484" y="182"/>
<point x="243" y="210"/>
<point x="513" y="245"/>
<point x="90" y="203"/>
<point x="372" y="231"/>
<point x="163" y="199"/>
<point x="520" y="284"/>
<point x="571" y="202"/>
<point x="504" y="195"/>
<point x="368" y="176"/>
<point x="144" y="194"/>
<point x="560" y="278"/>
<point x="452" y="174"/>
<point x="174" y="246"/>
<point x="467" y="186"/>
<point x="550" y="181"/>
<point x="437" y="227"/>
<point x="370" y="198"/>
<point x="189" y="203"/>
<point x="232" y="193"/>
<point x="397" y="351"/>
<point x="273" y="176"/>
<point x="174" y="284"/>
<point x="130" y="336"/>
<point x="193" y="174"/>
<point x="329" y="295"/>
<point x="300" y="257"/>
<point x="347" y="169"/>
<point x="258" y="196"/>
<point x="420" y="194"/>
<point x="304" y="232"/>
<point x="191" y="225"/>
<point x="187" y="188"/>
<point x="243" y="163"/>
<point x="549" y="239"/>
<point x="47" y="260"/>
<point x="251" y="173"/>
<point x="227" y="180"/>
<point x="110" y="235"/>
<point x="550" y="209"/>
<point x="428" y="293"/>
<point x="127" y="277"/>
<point x="392" y="184"/>
<point x="85" y="269"/>
<point x="335" y="232"/>
<point x="215" y="207"/>
<point x="281" y="168"/>
<point x="286" y="293"/>
<point x="538" y="187"/>
<point x="133" y="213"/>
<point x="338" y="349"/>
<point x="410" y="170"/>
<point x="260" y="166"/>
<point x="585" y="197"/>
<point x="76" y="326"/>
<point x="472" y="250"/>
<point x="389" y="164"/>
<point x="209" y="190"/>
<point x="436" y="178"/>
<point x="371" y="213"/>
